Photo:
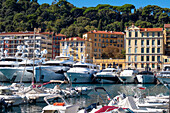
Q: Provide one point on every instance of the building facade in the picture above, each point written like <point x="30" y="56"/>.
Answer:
<point x="76" y="47"/>
<point x="110" y="63"/>
<point x="43" y="40"/>
<point x="144" y="47"/>
<point x="102" y="40"/>
<point x="167" y="39"/>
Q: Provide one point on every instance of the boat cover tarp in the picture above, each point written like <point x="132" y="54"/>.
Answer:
<point x="106" y="108"/>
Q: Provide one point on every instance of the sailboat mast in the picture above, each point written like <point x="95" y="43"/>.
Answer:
<point x="33" y="58"/>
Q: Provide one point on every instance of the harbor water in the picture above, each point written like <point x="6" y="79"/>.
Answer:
<point x="92" y="97"/>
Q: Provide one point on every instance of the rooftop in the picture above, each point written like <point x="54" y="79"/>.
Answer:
<point x="166" y="25"/>
<point x="73" y="38"/>
<point x="150" y="29"/>
<point x="106" y="32"/>
<point x="29" y="33"/>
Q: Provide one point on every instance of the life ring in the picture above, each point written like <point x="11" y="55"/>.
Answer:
<point x="59" y="104"/>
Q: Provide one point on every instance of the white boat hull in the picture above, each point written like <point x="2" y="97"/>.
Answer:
<point x="79" y="77"/>
<point x="145" y="78"/>
<point x="127" y="79"/>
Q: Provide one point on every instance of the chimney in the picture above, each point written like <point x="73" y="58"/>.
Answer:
<point x="145" y="29"/>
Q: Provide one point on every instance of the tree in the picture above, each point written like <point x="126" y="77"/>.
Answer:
<point x="100" y="25"/>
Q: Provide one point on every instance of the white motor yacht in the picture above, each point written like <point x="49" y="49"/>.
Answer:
<point x="54" y="69"/>
<point x="61" y="106"/>
<point x="128" y="75"/>
<point x="108" y="75"/>
<point x="145" y="77"/>
<point x="164" y="75"/>
<point x="82" y="73"/>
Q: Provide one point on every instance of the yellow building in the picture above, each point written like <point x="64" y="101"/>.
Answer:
<point x="101" y="40"/>
<point x="167" y="39"/>
<point x="144" y="47"/>
<point x="77" y="47"/>
<point x="106" y="63"/>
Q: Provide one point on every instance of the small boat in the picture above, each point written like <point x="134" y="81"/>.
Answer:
<point x="7" y="94"/>
<point x="128" y="75"/>
<point x="108" y="75"/>
<point x="60" y="106"/>
<point x="145" y="77"/>
<point x="164" y="76"/>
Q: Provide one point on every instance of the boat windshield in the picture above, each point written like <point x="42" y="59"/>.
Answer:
<point x="145" y="73"/>
<point x="51" y="64"/>
<point x="81" y="66"/>
<point x="7" y="65"/>
<point x="23" y="65"/>
<point x="11" y="59"/>
<point x="167" y="68"/>
<point x="108" y="70"/>
<point x="5" y="92"/>
<point x="51" y="111"/>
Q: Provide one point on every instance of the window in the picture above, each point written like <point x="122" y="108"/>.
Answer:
<point x="77" y="43"/>
<point x="153" y="65"/>
<point x="142" y="58"/>
<point x="147" y="42"/>
<point x="129" y="50"/>
<point x="159" y="42"/>
<point x="106" y="36"/>
<point x="81" y="50"/>
<point x="117" y="45"/>
<point x="106" y="40"/>
<point x="63" y="44"/>
<point x="158" y="34"/>
<point x="142" y="42"/>
<point x="99" y="35"/>
<point x="67" y="43"/>
<point x="135" y="58"/>
<point x="99" y="50"/>
<point x="95" y="35"/>
<point x="99" y="44"/>
<point x="142" y="50"/>
<point x="142" y="65"/>
<point x="82" y="43"/>
<point x="95" y="44"/>
<point x="129" y="34"/>
<point x="153" y="58"/>
<point x="129" y="58"/>
<point x="111" y="41"/>
<point x="72" y="44"/>
<point x="136" y="65"/>
<point x="147" y="58"/>
<point x="129" y="42"/>
<point x="147" y="50"/>
<point x="136" y="34"/>
<point x="153" y="50"/>
<point x="158" y="50"/>
<point x="135" y="42"/>
<point x="153" y="34"/>
<point x="142" y="34"/>
<point x="95" y="39"/>
<point x="99" y="40"/>
<point x="135" y="50"/>
<point x="153" y="42"/>
<point x="158" y="58"/>
<point x="103" y="35"/>
<point x="166" y="60"/>
<point x="147" y="34"/>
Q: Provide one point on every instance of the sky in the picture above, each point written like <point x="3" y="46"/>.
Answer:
<point x="93" y="3"/>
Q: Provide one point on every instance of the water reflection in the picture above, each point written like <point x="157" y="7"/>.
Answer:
<point x="84" y="101"/>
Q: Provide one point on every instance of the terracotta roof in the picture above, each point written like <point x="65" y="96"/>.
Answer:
<point x="150" y="29"/>
<point x="73" y="38"/>
<point x="106" y="32"/>
<point x="31" y="32"/>
<point x="166" y="25"/>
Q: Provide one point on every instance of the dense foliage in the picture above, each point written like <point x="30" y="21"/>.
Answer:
<point x="64" y="17"/>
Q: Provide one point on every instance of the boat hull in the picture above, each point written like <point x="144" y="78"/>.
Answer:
<point x="107" y="79"/>
<point x="146" y="79"/>
<point x="127" y="79"/>
<point x="78" y="78"/>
